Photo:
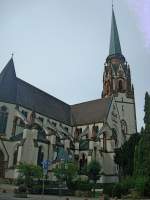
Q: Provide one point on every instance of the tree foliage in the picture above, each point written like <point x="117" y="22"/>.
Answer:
<point x="142" y="153"/>
<point x="147" y="113"/>
<point x="142" y="157"/>
<point x="124" y="156"/>
<point x="65" y="171"/>
<point x="29" y="172"/>
<point x="93" y="170"/>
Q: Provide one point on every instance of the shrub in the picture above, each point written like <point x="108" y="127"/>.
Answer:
<point x="117" y="190"/>
<point x="127" y="184"/>
<point x="142" y="186"/>
<point x="28" y="173"/>
<point x="81" y="185"/>
<point x="147" y="188"/>
<point x="93" y="170"/>
<point x="107" y="189"/>
<point x="84" y="186"/>
<point x="36" y="189"/>
<point x="19" y="181"/>
<point x="106" y="197"/>
<point x="22" y="189"/>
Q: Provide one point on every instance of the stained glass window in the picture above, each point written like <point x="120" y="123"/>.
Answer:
<point x="3" y="119"/>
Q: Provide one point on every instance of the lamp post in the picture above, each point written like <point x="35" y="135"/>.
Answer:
<point x="45" y="165"/>
<point x="61" y="176"/>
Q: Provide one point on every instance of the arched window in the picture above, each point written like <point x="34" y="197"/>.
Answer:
<point x="82" y="161"/>
<point x="94" y="131"/>
<point x="107" y="87"/>
<point x="3" y="119"/>
<point x="2" y="165"/>
<point x="114" y="136"/>
<point x="15" y="157"/>
<point x="104" y="142"/>
<point x="124" y="127"/>
<point x="78" y="131"/>
<point x="40" y="156"/>
<point x="120" y="85"/>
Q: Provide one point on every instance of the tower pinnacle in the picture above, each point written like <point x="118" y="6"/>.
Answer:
<point x="115" y="47"/>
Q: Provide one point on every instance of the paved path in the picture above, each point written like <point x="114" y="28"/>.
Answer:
<point x="9" y="196"/>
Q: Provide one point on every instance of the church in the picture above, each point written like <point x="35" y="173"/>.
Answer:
<point x="35" y="126"/>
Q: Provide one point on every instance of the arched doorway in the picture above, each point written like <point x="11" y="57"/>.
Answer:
<point x="2" y="165"/>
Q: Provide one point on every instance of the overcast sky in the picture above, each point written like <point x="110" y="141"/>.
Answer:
<point x="60" y="46"/>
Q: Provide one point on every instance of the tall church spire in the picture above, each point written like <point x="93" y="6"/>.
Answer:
<point x="116" y="78"/>
<point x="115" y="47"/>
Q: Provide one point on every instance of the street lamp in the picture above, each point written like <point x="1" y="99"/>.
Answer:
<point x="61" y="176"/>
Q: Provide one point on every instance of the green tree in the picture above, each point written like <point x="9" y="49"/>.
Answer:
<point x="93" y="172"/>
<point x="124" y="156"/>
<point x="147" y="113"/>
<point x="142" y="153"/>
<point x="29" y="172"/>
<point x="142" y="157"/>
<point x="66" y="172"/>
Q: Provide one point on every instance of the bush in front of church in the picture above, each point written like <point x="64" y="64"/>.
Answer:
<point x="27" y="174"/>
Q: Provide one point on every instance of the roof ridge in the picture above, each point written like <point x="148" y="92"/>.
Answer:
<point x="101" y="99"/>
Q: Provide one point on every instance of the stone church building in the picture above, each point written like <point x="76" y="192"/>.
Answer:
<point x="35" y="126"/>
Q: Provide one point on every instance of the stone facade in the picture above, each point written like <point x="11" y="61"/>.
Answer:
<point x="35" y="126"/>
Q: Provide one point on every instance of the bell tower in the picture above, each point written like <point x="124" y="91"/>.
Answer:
<point x="117" y="83"/>
<point x="117" y="76"/>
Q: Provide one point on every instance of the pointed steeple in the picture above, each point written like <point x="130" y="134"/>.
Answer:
<point x="9" y="71"/>
<point x="8" y="83"/>
<point x="115" y="47"/>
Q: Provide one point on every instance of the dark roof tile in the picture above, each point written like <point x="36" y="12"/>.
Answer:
<point x="17" y="91"/>
<point x="90" y="112"/>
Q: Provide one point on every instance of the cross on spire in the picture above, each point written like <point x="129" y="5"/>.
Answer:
<point x="12" y="55"/>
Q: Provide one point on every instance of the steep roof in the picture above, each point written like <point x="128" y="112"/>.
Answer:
<point x="90" y="112"/>
<point x="8" y="83"/>
<point x="17" y="91"/>
<point x="43" y="103"/>
<point x="115" y="47"/>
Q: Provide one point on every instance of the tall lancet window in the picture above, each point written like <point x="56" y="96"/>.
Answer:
<point x="104" y="142"/>
<point x="40" y="156"/>
<point x="15" y="157"/>
<point x="3" y="119"/>
<point x="120" y="85"/>
<point x="124" y="127"/>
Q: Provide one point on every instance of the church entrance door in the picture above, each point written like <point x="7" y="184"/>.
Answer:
<point x="2" y="165"/>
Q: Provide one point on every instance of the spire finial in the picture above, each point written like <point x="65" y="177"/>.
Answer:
<point x="112" y="4"/>
<point x="12" y="55"/>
